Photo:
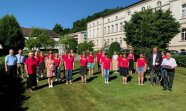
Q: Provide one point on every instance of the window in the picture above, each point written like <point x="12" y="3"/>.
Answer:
<point x="112" y="28"/>
<point x="116" y="39"/>
<point x="149" y="7"/>
<point x="121" y="26"/>
<point x="108" y="20"/>
<point x="111" y="40"/>
<point x="183" y="34"/>
<point x="120" y="40"/>
<point x="105" y="30"/>
<point x="116" y="27"/>
<point x="143" y="8"/>
<point x="116" y="17"/>
<point x="108" y="29"/>
<point x="108" y="41"/>
<point x="159" y="3"/>
<point x="93" y="32"/>
<point x="97" y="22"/>
<point x="97" y="42"/>
<point x="97" y="31"/>
<point x="184" y="11"/>
<point x="129" y="12"/>
<point x="93" y="24"/>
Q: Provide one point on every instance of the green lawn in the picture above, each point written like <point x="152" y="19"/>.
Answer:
<point x="97" y="96"/>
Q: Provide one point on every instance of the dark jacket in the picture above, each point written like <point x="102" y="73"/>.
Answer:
<point x="158" y="60"/>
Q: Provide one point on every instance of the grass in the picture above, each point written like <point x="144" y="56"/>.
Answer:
<point x="96" y="96"/>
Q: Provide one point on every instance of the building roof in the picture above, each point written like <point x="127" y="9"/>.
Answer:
<point x="51" y="33"/>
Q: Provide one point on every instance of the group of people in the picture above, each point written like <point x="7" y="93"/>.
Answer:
<point x="36" y="62"/>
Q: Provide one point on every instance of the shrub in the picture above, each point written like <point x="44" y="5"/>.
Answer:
<point x="180" y="60"/>
<point x="115" y="46"/>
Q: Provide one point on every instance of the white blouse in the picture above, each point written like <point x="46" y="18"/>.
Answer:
<point x="115" y="57"/>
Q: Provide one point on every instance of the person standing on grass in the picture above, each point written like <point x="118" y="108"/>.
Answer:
<point x="115" y="62"/>
<point x="124" y="63"/>
<point x="169" y="64"/>
<point x="20" y="63"/>
<point x="50" y="65"/>
<point x="63" y="58"/>
<point x="141" y="68"/>
<point x="90" y="65"/>
<point x="119" y="59"/>
<point x="101" y="62"/>
<point x="36" y="56"/>
<point x="107" y="67"/>
<point x="41" y="64"/>
<point x="98" y="57"/>
<point x="69" y="66"/>
<point x="131" y="62"/>
<point x="154" y="62"/>
<point x="57" y="62"/>
<point x="30" y="67"/>
<point x="163" y="73"/>
<point x="83" y="68"/>
<point x="11" y="64"/>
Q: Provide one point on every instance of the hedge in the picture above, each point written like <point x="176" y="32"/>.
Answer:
<point x="180" y="60"/>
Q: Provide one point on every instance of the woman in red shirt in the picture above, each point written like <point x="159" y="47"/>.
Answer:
<point x="98" y="57"/>
<point x="101" y="63"/>
<point x="63" y="57"/>
<point x="41" y="63"/>
<point x="107" y="67"/>
<point x="69" y="66"/>
<point x="31" y="67"/>
<point x="141" y="68"/>
<point x="36" y="56"/>
<point x="124" y="63"/>
<point x="57" y="62"/>
<point x="131" y="62"/>
<point x="90" y="65"/>
<point x="83" y="68"/>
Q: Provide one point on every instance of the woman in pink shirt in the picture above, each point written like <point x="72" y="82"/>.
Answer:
<point x="57" y="62"/>
<point x="124" y="63"/>
<point x="69" y="66"/>
<point x="90" y="65"/>
<point x="107" y="67"/>
<point x="36" y="56"/>
<point x="141" y="68"/>
<point x="131" y="62"/>
<point x="50" y="65"/>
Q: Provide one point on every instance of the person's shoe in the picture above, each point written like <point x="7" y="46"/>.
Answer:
<point x="51" y="86"/>
<point x="59" y="79"/>
<point x="70" y="82"/>
<point x="142" y="84"/>
<point x="139" y="84"/>
<point x="56" y="80"/>
<point x="170" y="89"/>
<point x="66" y="83"/>
<point x="37" y="80"/>
<point x="31" y="90"/>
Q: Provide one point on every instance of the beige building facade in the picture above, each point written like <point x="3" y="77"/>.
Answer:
<point x="103" y="31"/>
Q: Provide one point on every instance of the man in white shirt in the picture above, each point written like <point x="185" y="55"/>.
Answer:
<point x="169" y="64"/>
<point x="20" y="63"/>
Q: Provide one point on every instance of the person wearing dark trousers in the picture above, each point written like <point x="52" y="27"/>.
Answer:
<point x="169" y="64"/>
<point x="11" y="64"/>
<point x="98" y="57"/>
<point x="154" y="62"/>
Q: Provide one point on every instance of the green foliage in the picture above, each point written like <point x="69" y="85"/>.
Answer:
<point x="114" y="46"/>
<point x="70" y="43"/>
<point x="81" y="25"/>
<point x="180" y="60"/>
<point x="59" y="29"/>
<point x="39" y="38"/>
<point x="86" y="46"/>
<point x="148" y="29"/>
<point x="11" y="36"/>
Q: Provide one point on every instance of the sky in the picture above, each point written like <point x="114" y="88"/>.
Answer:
<point x="46" y="13"/>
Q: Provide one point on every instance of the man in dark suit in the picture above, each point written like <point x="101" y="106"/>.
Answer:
<point x="154" y="62"/>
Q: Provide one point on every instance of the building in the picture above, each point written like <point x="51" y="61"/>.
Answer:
<point x="51" y="34"/>
<point x="80" y="36"/>
<point x="108" y="29"/>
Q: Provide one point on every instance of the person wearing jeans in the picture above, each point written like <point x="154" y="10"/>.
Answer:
<point x="169" y="64"/>
<point x="69" y="66"/>
<point x="106" y="68"/>
<point x="57" y="61"/>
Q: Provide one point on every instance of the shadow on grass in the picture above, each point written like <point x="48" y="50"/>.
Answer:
<point x="92" y="78"/>
<point x="129" y="78"/>
<point x="113" y="78"/>
<point x="11" y="93"/>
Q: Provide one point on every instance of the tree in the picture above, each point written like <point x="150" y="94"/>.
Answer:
<point x="148" y="29"/>
<point x="11" y="36"/>
<point x="114" y="46"/>
<point x="69" y="43"/>
<point x="86" y="46"/>
<point x="58" y="29"/>
<point x="39" y="38"/>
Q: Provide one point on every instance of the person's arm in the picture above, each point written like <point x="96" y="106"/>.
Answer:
<point x="110" y="65"/>
<point x="46" y="63"/>
<point x="145" y="67"/>
<point x="73" y="65"/>
<point x="6" y="60"/>
<point x="26" y="70"/>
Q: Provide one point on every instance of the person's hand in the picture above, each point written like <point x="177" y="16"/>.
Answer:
<point x="6" y="70"/>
